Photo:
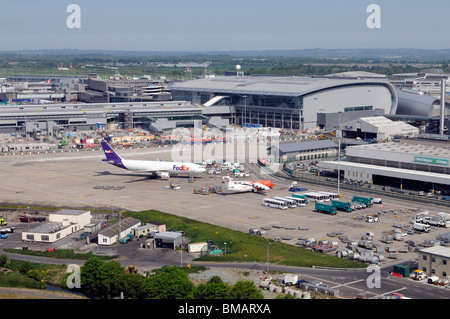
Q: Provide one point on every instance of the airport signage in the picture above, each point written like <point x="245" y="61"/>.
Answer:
<point x="431" y="160"/>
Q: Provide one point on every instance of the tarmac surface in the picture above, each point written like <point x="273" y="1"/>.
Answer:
<point x="77" y="179"/>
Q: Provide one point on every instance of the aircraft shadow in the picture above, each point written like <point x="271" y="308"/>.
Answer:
<point x="234" y="193"/>
<point x="145" y="177"/>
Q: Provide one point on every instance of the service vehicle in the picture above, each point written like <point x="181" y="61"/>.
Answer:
<point x="325" y="208"/>
<point x="270" y="202"/>
<point x="422" y="227"/>
<point x="290" y="202"/>
<point x="344" y="206"/>
<point x="419" y="275"/>
<point x="368" y="201"/>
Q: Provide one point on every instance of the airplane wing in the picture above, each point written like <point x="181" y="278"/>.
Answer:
<point x="260" y="186"/>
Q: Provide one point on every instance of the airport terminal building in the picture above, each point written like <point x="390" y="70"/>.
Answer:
<point x="269" y="101"/>
<point x="52" y="118"/>
<point x="289" y="102"/>
<point x="399" y="165"/>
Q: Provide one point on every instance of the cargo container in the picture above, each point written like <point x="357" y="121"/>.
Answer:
<point x="368" y="201"/>
<point x="402" y="270"/>
<point x="325" y="208"/>
<point x="344" y="206"/>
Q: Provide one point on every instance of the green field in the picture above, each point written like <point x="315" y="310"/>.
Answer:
<point x="242" y="247"/>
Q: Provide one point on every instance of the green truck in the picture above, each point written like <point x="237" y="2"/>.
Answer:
<point x="368" y="201"/>
<point x="344" y="206"/>
<point x="325" y="208"/>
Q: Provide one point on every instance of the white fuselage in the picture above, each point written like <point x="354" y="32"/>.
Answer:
<point x="172" y="168"/>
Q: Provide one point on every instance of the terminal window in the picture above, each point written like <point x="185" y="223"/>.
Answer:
<point x="358" y="108"/>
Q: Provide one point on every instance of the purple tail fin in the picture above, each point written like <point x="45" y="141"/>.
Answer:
<point x="110" y="154"/>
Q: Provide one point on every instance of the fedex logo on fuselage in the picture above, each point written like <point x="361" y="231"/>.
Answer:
<point x="180" y="168"/>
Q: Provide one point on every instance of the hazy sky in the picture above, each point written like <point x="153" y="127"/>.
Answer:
<point x="223" y="25"/>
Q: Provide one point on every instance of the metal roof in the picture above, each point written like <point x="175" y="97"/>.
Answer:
<point x="270" y="85"/>
<point x="406" y="148"/>
<point x="389" y="171"/>
<point x="71" y="212"/>
<point x="168" y="235"/>
<point x="410" y="103"/>
<point x="305" y="146"/>
<point x="113" y="229"/>
<point x="437" y="250"/>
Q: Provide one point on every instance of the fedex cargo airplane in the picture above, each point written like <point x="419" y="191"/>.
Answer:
<point x="159" y="168"/>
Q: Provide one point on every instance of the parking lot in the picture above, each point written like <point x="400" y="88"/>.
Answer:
<point x="82" y="180"/>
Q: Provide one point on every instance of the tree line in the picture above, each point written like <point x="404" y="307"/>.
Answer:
<point x="106" y="280"/>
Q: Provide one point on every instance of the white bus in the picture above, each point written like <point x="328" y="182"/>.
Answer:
<point x="270" y="202"/>
<point x="299" y="201"/>
<point x="317" y="197"/>
<point x="290" y="202"/>
<point x="330" y="195"/>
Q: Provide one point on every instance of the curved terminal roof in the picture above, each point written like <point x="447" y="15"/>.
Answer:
<point x="270" y="85"/>
<point x="414" y="103"/>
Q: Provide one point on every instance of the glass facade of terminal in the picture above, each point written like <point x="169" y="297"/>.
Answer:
<point x="259" y="109"/>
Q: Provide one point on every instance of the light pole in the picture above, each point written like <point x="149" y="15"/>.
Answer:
<point x="267" y="269"/>
<point x="225" y="248"/>
<point x="339" y="133"/>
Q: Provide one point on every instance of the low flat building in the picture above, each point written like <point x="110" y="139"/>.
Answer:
<point x="60" y="225"/>
<point x="170" y="240"/>
<point x="113" y="233"/>
<point x="377" y="127"/>
<point x="301" y="151"/>
<point x="149" y="228"/>
<point x="435" y="261"/>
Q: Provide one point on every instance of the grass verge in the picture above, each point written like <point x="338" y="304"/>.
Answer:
<point x="242" y="247"/>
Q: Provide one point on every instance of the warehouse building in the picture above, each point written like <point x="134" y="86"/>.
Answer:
<point x="417" y="157"/>
<point x="113" y="233"/>
<point x="60" y="225"/>
<point x="377" y="127"/>
<point x="167" y="239"/>
<point x="401" y="165"/>
<point x="301" y="151"/>
<point x="435" y="261"/>
<point x="287" y="102"/>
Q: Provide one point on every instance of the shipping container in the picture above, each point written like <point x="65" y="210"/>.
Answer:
<point x="402" y="270"/>
<point x="368" y="201"/>
<point x="344" y="206"/>
<point x="325" y="208"/>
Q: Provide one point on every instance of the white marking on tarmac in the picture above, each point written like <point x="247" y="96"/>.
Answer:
<point x="348" y="283"/>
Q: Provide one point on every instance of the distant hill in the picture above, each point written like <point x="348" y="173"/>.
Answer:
<point x="426" y="55"/>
